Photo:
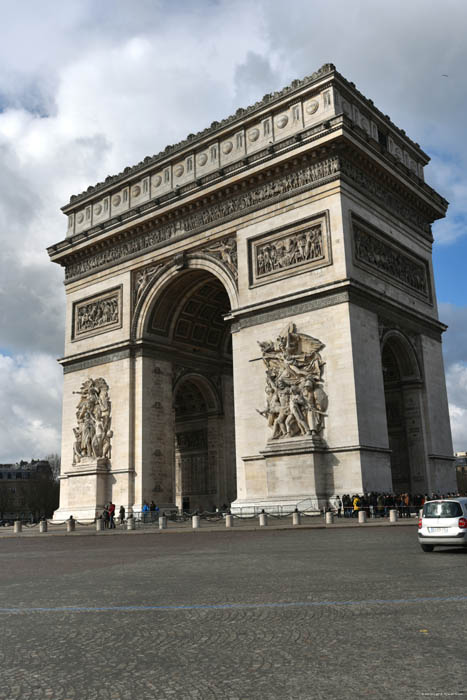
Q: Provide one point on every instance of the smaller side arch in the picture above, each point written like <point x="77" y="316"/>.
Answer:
<point x="205" y="386"/>
<point x="405" y="354"/>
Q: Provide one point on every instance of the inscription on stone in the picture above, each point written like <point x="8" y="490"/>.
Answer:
<point x="160" y="464"/>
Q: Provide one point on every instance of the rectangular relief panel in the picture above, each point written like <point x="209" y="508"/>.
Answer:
<point x="97" y="314"/>
<point x="290" y="250"/>
<point x="374" y="252"/>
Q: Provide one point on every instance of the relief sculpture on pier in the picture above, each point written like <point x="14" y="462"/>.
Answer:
<point x="93" y="419"/>
<point x="296" y="402"/>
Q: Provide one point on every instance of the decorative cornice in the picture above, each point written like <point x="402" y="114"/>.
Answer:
<point x="269" y="100"/>
<point x="347" y="290"/>
<point x="285" y="308"/>
<point x="193" y="139"/>
<point x="83" y="361"/>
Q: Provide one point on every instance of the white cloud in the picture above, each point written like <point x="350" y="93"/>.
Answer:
<point x="456" y="381"/>
<point x="31" y="406"/>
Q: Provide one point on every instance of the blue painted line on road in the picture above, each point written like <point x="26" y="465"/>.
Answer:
<point x="233" y="606"/>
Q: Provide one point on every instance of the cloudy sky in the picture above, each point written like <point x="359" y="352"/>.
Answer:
<point x="90" y="86"/>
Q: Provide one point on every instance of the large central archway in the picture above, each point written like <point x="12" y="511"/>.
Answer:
<point x="188" y="336"/>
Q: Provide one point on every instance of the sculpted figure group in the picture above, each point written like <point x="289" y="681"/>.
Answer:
<point x="289" y="251"/>
<point x="97" y="314"/>
<point x="93" y="433"/>
<point x="296" y="402"/>
<point x="384" y="257"/>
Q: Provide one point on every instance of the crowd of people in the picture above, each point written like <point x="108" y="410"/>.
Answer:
<point x="108" y="515"/>
<point x="378" y="505"/>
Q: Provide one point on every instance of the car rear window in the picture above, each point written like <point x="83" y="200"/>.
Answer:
<point x="442" y="509"/>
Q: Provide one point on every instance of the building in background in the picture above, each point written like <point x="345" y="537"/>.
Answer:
<point x="28" y="490"/>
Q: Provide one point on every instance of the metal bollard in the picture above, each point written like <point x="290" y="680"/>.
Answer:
<point x="229" y="521"/>
<point x="43" y="526"/>
<point x="362" y="516"/>
<point x="163" y="522"/>
<point x="263" y="519"/>
<point x="70" y="525"/>
<point x="18" y="526"/>
<point x="99" y="525"/>
<point x="393" y="515"/>
<point x="195" y="522"/>
<point x="296" y="518"/>
<point x="130" y="524"/>
<point x="329" y="518"/>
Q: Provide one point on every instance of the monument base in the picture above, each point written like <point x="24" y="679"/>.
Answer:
<point x="287" y="474"/>
<point x="84" y="490"/>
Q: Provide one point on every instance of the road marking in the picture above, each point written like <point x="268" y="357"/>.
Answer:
<point x="232" y="606"/>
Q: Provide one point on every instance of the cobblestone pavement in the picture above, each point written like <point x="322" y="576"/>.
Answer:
<point x="303" y="614"/>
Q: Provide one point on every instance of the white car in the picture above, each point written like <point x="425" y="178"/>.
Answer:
<point x="443" y="523"/>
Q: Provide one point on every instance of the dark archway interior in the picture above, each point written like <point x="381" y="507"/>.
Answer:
<point x="196" y="475"/>
<point x="190" y="313"/>
<point x="397" y="366"/>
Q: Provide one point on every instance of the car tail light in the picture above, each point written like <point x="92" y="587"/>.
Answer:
<point x="420" y="522"/>
<point x="462" y="523"/>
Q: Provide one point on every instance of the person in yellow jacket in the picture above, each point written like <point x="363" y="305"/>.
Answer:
<point x="356" y="506"/>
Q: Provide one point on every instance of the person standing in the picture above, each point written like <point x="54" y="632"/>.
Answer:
<point x="145" y="511"/>
<point x="111" y="515"/>
<point x="356" y="503"/>
<point x="338" y="506"/>
<point x="121" y="513"/>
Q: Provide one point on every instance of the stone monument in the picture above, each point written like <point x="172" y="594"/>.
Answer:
<point x="251" y="316"/>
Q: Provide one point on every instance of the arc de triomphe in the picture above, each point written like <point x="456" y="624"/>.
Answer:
<point x="251" y="315"/>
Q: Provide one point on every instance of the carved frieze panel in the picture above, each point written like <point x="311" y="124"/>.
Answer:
<point x="387" y="259"/>
<point x="290" y="250"/>
<point x="97" y="314"/>
<point x="385" y="195"/>
<point x="296" y="402"/>
<point x="92" y="434"/>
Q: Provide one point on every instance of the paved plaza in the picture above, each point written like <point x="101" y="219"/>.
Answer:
<point x="238" y="615"/>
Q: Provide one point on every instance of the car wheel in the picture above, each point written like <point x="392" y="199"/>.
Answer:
<point x="427" y="547"/>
